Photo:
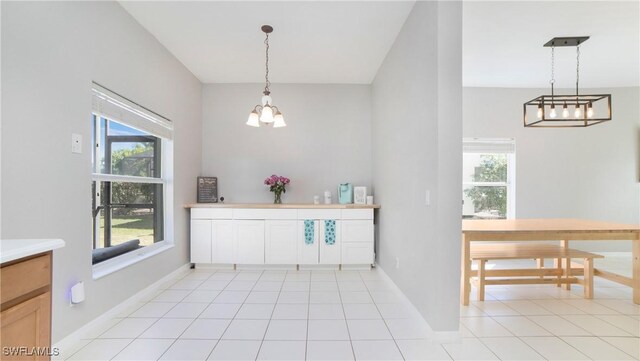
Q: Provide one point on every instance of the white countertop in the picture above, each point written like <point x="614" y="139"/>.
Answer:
<point x="12" y="249"/>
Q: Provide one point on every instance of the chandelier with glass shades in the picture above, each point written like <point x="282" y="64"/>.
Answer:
<point x="562" y="111"/>
<point x="266" y="112"/>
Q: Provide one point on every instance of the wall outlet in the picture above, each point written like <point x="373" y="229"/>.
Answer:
<point x="427" y="198"/>
<point x="397" y="262"/>
<point x="76" y="143"/>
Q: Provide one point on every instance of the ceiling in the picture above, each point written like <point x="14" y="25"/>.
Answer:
<point x="346" y="41"/>
<point x="502" y="43"/>
<point x="312" y="42"/>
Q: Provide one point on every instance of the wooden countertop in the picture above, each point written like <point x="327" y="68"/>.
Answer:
<point x="13" y="249"/>
<point x="282" y="206"/>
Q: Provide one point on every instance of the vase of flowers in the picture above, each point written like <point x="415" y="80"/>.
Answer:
<point x="276" y="185"/>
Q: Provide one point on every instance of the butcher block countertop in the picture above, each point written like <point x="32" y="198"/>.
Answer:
<point x="282" y="206"/>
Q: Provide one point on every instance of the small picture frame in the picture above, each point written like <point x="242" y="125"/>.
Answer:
<point x="207" y="190"/>
<point x="360" y="195"/>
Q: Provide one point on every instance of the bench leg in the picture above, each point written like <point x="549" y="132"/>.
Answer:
<point x="567" y="266"/>
<point x="557" y="262"/>
<point x="481" y="277"/>
<point x="540" y="265"/>
<point x="588" y="278"/>
<point x="465" y="284"/>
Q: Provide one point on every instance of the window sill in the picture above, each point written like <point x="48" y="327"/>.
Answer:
<point x="115" y="264"/>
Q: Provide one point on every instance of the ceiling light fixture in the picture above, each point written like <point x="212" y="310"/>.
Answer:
<point x="266" y="112"/>
<point x="588" y="109"/>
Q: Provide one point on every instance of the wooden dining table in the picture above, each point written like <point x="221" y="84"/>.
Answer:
<point x="553" y="229"/>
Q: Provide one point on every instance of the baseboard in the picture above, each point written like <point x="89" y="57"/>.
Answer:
<point x="437" y="336"/>
<point x="75" y="337"/>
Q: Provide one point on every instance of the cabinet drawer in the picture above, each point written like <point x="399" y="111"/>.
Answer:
<point x="357" y="214"/>
<point x="250" y="213"/>
<point x="357" y="231"/>
<point x="23" y="277"/>
<point x="319" y="214"/>
<point x="357" y="253"/>
<point x="211" y="213"/>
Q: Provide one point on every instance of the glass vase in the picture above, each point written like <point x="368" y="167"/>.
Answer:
<point x="278" y="198"/>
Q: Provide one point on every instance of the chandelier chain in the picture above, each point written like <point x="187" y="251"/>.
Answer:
<point x="577" y="67"/>
<point x="553" y="68"/>
<point x="266" y="74"/>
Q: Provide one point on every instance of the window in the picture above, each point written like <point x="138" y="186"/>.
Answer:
<point x="488" y="183"/>
<point x="131" y="188"/>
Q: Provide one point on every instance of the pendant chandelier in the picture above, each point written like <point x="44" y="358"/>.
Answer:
<point x="563" y="111"/>
<point x="266" y="112"/>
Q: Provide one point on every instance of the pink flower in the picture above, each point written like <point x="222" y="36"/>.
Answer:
<point x="277" y="183"/>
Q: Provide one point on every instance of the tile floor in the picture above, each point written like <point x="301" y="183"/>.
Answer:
<point x="346" y="315"/>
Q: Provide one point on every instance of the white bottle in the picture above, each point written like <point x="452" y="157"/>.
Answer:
<point x="327" y="197"/>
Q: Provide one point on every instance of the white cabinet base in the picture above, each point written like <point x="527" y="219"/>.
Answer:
<point x="275" y="238"/>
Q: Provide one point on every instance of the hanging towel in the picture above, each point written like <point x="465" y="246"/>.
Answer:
<point x="308" y="231"/>
<point x="330" y="231"/>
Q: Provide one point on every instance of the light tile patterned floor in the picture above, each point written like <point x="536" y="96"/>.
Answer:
<point x="346" y="315"/>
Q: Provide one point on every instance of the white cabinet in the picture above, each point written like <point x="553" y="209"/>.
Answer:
<point x="280" y="242"/>
<point x="321" y="250"/>
<point x="248" y="241"/>
<point x="357" y="241"/>
<point x="201" y="241"/>
<point x="222" y="241"/>
<point x="277" y="236"/>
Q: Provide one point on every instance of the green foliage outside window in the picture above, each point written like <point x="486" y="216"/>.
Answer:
<point x="493" y="168"/>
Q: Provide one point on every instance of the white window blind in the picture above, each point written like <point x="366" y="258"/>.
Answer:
<point x="489" y="145"/>
<point x="113" y="106"/>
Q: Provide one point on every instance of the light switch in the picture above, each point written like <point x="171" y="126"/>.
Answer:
<point x="427" y="198"/>
<point x="76" y="143"/>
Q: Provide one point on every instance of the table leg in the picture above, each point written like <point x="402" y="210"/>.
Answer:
<point x="588" y="278"/>
<point x="540" y="262"/>
<point x="481" y="276"/>
<point x="465" y="271"/>
<point x="636" y="269"/>
<point x="567" y="266"/>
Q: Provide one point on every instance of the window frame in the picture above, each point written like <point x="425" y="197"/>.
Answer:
<point x="505" y="146"/>
<point x="164" y="173"/>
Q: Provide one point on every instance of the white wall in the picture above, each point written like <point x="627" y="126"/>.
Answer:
<point x="590" y="173"/>
<point x="327" y="140"/>
<point x="51" y="51"/>
<point x="417" y="137"/>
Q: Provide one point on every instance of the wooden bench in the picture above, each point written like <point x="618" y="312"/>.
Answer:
<point x="559" y="274"/>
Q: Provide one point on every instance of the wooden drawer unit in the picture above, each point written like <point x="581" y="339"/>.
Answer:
<point x="25" y="310"/>
<point x="23" y="277"/>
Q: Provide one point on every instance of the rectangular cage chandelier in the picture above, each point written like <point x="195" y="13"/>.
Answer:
<point x="567" y="111"/>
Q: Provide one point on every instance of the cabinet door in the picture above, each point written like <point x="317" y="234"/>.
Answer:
<point x="27" y="325"/>
<point x="330" y="252"/>
<point x="201" y="241"/>
<point x="222" y="241"/>
<point x="308" y="252"/>
<point x="249" y="242"/>
<point x="280" y="242"/>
